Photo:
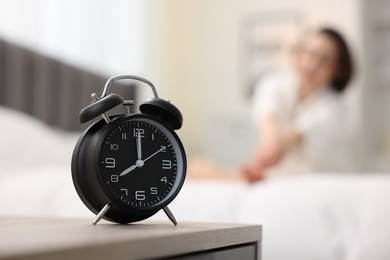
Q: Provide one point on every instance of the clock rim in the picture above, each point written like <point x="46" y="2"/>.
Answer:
<point x="84" y="180"/>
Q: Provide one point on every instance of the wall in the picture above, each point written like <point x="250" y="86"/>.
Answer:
<point x="101" y="35"/>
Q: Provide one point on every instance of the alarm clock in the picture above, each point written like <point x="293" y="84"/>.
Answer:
<point x="127" y="167"/>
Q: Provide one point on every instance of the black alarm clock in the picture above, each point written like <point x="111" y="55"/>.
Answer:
<point x="127" y="167"/>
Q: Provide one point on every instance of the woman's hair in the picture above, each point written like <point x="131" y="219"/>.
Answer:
<point x="344" y="64"/>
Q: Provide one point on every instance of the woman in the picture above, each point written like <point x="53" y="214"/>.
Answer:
<point x="300" y="114"/>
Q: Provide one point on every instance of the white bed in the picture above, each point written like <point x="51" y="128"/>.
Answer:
<point x="317" y="216"/>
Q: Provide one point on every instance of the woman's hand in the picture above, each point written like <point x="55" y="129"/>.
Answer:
<point x="267" y="155"/>
<point x="252" y="173"/>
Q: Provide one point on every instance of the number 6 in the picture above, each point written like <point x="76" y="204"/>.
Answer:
<point x="140" y="195"/>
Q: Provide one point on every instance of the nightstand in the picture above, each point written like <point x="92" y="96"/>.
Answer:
<point x="57" y="238"/>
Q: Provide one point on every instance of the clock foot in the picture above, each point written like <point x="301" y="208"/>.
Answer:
<point x="170" y="215"/>
<point x="101" y="214"/>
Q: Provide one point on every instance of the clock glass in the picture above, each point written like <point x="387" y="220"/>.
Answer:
<point x="141" y="162"/>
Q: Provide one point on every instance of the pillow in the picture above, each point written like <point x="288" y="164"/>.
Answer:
<point x="27" y="142"/>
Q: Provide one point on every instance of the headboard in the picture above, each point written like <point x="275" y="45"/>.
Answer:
<point x="48" y="89"/>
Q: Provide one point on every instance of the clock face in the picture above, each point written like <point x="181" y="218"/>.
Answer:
<point x="142" y="163"/>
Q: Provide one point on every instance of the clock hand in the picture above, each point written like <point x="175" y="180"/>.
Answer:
<point x="139" y="163"/>
<point x="153" y="154"/>
<point x="139" y="148"/>
<point x="126" y="171"/>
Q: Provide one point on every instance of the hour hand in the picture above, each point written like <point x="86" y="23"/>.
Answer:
<point x="126" y="171"/>
<point x="138" y="164"/>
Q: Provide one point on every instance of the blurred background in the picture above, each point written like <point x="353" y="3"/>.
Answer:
<point x="205" y="56"/>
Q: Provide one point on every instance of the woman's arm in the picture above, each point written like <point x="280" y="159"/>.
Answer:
<point x="276" y="142"/>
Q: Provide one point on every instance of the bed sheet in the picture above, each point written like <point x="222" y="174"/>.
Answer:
<point x="319" y="216"/>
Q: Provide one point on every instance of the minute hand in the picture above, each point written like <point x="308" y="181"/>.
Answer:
<point x="153" y="154"/>
<point x="139" y="148"/>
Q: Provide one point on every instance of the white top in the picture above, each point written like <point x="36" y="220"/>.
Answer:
<point x="320" y="119"/>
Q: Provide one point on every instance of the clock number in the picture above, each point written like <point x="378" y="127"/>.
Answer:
<point x="166" y="164"/>
<point x="124" y="136"/>
<point x="138" y="132"/>
<point x="126" y="191"/>
<point x="153" y="190"/>
<point x="164" y="179"/>
<point x="110" y="162"/>
<point x="114" y="147"/>
<point x="114" y="178"/>
<point x="140" y="195"/>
